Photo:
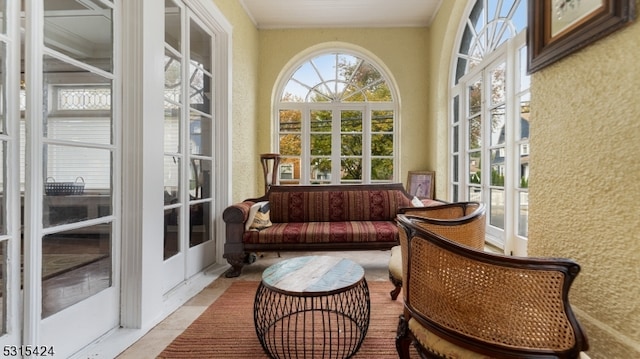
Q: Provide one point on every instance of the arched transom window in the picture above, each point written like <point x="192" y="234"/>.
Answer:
<point x="336" y="121"/>
<point x="489" y="122"/>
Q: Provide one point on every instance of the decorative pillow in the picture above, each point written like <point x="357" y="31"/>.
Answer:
<point x="252" y="214"/>
<point x="258" y="217"/>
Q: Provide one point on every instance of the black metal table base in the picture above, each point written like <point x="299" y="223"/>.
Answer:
<point x="319" y="326"/>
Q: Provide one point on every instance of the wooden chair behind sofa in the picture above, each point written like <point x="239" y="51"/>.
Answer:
<point x="465" y="303"/>
<point x="463" y="222"/>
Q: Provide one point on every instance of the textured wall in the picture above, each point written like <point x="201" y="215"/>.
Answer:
<point x="443" y="31"/>
<point x="585" y="184"/>
<point x="585" y="173"/>
<point x="245" y="163"/>
<point x="402" y="50"/>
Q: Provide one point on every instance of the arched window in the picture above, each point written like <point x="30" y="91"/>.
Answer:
<point x="336" y="121"/>
<point x="489" y="122"/>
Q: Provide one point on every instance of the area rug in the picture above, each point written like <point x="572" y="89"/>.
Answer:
<point x="226" y="329"/>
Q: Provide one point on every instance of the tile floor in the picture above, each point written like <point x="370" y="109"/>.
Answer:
<point x="152" y="344"/>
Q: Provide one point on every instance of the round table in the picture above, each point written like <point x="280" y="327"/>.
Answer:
<point x="312" y="307"/>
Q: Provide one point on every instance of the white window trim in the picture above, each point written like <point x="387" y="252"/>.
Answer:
<point x="508" y="52"/>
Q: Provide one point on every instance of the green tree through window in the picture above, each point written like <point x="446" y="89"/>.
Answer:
<point x="337" y="122"/>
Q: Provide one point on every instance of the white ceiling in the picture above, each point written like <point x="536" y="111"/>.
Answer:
<point x="272" y="14"/>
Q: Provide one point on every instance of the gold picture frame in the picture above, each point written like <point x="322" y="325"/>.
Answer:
<point x="421" y="184"/>
<point x="557" y="28"/>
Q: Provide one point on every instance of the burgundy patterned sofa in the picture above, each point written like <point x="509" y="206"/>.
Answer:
<point x="309" y="218"/>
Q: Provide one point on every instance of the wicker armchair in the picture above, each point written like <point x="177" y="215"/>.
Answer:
<point x="465" y="303"/>
<point x="463" y="222"/>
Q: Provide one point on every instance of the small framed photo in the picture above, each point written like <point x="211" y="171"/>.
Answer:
<point x="557" y="28"/>
<point x="421" y="184"/>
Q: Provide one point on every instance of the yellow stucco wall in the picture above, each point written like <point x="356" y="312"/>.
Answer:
<point x="245" y="164"/>
<point x="584" y="184"/>
<point x="585" y="126"/>
<point x="443" y="32"/>
<point x="403" y="51"/>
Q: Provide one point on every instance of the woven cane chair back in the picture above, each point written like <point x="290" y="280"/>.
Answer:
<point x="486" y="302"/>
<point x="463" y="222"/>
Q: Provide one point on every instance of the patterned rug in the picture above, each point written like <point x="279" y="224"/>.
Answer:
<point x="226" y="329"/>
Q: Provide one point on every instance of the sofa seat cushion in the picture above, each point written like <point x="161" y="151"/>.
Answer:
<point x="325" y="232"/>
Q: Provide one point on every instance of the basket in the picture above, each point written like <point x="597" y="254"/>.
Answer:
<point x="53" y="188"/>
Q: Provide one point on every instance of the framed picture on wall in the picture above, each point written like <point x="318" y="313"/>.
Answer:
<point x="557" y="28"/>
<point x="421" y="184"/>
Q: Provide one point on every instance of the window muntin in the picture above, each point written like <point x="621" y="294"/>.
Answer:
<point x="336" y="122"/>
<point x="491" y="88"/>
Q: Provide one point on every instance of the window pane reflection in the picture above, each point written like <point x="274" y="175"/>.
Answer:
<point x="289" y="171"/>
<point x="78" y="184"/>
<point x="3" y="287"/>
<point x="382" y="145"/>
<point x="290" y="145"/>
<point x="200" y="42"/>
<point x="172" y="31"/>
<point x="3" y="85"/>
<point x="3" y="203"/>
<point x="76" y="264"/>
<point x="351" y="169"/>
<point x="171" y="180"/>
<point x="200" y="135"/>
<point x="290" y="120"/>
<point x="382" y="121"/>
<point x="3" y="19"/>
<point x="475" y="194"/>
<point x="497" y="208"/>
<point x="199" y="179"/>
<point x="199" y="219"/>
<point x="200" y="90"/>
<point x="523" y="217"/>
<point x="172" y="77"/>
<point x="171" y="128"/>
<point x="171" y="232"/>
<point x="64" y="20"/>
<point x="320" y="170"/>
<point x="382" y="169"/>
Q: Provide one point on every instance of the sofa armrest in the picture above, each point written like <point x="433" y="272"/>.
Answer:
<point x="235" y="217"/>
<point x="238" y="212"/>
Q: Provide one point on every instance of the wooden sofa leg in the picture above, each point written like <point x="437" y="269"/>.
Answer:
<point x="403" y="341"/>
<point x="398" y="286"/>
<point x="237" y="261"/>
<point x="394" y="293"/>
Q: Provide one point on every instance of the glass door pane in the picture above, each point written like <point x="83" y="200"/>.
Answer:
<point x="78" y="175"/>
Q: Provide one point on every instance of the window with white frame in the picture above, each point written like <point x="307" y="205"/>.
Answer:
<point x="489" y="122"/>
<point x="336" y="121"/>
<point x="189" y="127"/>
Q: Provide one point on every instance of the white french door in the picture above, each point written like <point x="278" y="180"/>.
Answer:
<point x="10" y="200"/>
<point x="190" y="128"/>
<point x="63" y="156"/>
